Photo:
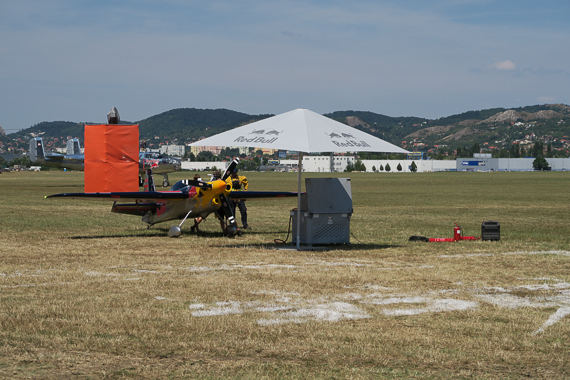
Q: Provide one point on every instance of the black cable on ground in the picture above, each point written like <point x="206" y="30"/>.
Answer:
<point x="279" y="241"/>
<point x="351" y="234"/>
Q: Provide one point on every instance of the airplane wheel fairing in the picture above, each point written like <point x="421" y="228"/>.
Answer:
<point x="174" y="231"/>
<point x="232" y="230"/>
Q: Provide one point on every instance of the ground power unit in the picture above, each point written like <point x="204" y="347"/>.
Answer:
<point x="490" y="230"/>
<point x="326" y="209"/>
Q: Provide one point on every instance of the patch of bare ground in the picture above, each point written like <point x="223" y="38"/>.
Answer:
<point x="353" y="121"/>
<point x="513" y="116"/>
<point x="430" y="131"/>
<point x="468" y="123"/>
<point x="459" y="134"/>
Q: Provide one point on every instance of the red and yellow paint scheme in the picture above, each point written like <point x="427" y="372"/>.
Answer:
<point x="186" y="199"/>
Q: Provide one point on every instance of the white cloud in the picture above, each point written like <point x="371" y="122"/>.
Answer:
<point x="507" y="65"/>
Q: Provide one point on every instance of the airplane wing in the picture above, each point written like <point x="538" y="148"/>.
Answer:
<point x="261" y="194"/>
<point x="144" y="196"/>
<point x="54" y="156"/>
<point x="149" y="196"/>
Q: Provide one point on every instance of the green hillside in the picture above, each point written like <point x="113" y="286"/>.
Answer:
<point x="392" y="129"/>
<point x="53" y="129"/>
<point x="496" y="127"/>
<point x="191" y="123"/>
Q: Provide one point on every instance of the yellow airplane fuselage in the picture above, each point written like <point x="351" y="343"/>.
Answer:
<point x="199" y="203"/>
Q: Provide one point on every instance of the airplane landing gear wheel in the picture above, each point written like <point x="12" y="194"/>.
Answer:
<point x="174" y="231"/>
<point x="165" y="181"/>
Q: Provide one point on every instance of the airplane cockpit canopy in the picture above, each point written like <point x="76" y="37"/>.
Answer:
<point x="181" y="185"/>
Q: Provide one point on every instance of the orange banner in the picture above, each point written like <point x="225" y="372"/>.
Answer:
<point x="111" y="158"/>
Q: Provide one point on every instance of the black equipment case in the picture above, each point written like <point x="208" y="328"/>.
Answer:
<point x="490" y="230"/>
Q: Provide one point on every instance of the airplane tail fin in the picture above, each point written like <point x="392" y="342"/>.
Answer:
<point x="36" y="149"/>
<point x="149" y="181"/>
<point x="73" y="146"/>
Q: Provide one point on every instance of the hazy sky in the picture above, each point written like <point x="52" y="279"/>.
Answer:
<point x="74" y="60"/>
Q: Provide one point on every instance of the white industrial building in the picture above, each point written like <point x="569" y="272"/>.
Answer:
<point x="322" y="164"/>
<point x="481" y="163"/>
<point x="421" y="165"/>
<point x="173" y="150"/>
<point x="216" y="150"/>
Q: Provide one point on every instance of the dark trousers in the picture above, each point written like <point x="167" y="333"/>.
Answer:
<point x="242" y="210"/>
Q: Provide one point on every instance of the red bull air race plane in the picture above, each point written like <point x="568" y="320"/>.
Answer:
<point x="186" y="199"/>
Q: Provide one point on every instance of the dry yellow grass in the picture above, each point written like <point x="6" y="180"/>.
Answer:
<point x="88" y="294"/>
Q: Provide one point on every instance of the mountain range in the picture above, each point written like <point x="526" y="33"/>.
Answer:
<point x="496" y="127"/>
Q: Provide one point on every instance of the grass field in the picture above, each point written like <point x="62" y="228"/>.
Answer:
<point x="89" y="294"/>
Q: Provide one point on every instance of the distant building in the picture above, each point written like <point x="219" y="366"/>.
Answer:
<point x="203" y="165"/>
<point x="267" y="151"/>
<point x="415" y="156"/>
<point x="173" y="150"/>
<point x="406" y="165"/>
<point x="322" y="164"/>
<point x="486" y="164"/>
<point x="216" y="150"/>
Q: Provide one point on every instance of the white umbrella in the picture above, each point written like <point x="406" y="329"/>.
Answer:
<point x="304" y="131"/>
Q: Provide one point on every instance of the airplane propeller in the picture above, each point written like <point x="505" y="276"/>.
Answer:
<point x="231" y="167"/>
<point x="232" y="227"/>
<point x="224" y="211"/>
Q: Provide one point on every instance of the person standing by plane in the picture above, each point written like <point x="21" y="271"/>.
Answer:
<point x="239" y="183"/>
<point x="198" y="219"/>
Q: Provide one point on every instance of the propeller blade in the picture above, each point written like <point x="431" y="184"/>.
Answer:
<point x="230" y="169"/>
<point x="226" y="211"/>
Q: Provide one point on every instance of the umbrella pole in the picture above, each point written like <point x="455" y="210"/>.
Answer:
<point x="299" y="170"/>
